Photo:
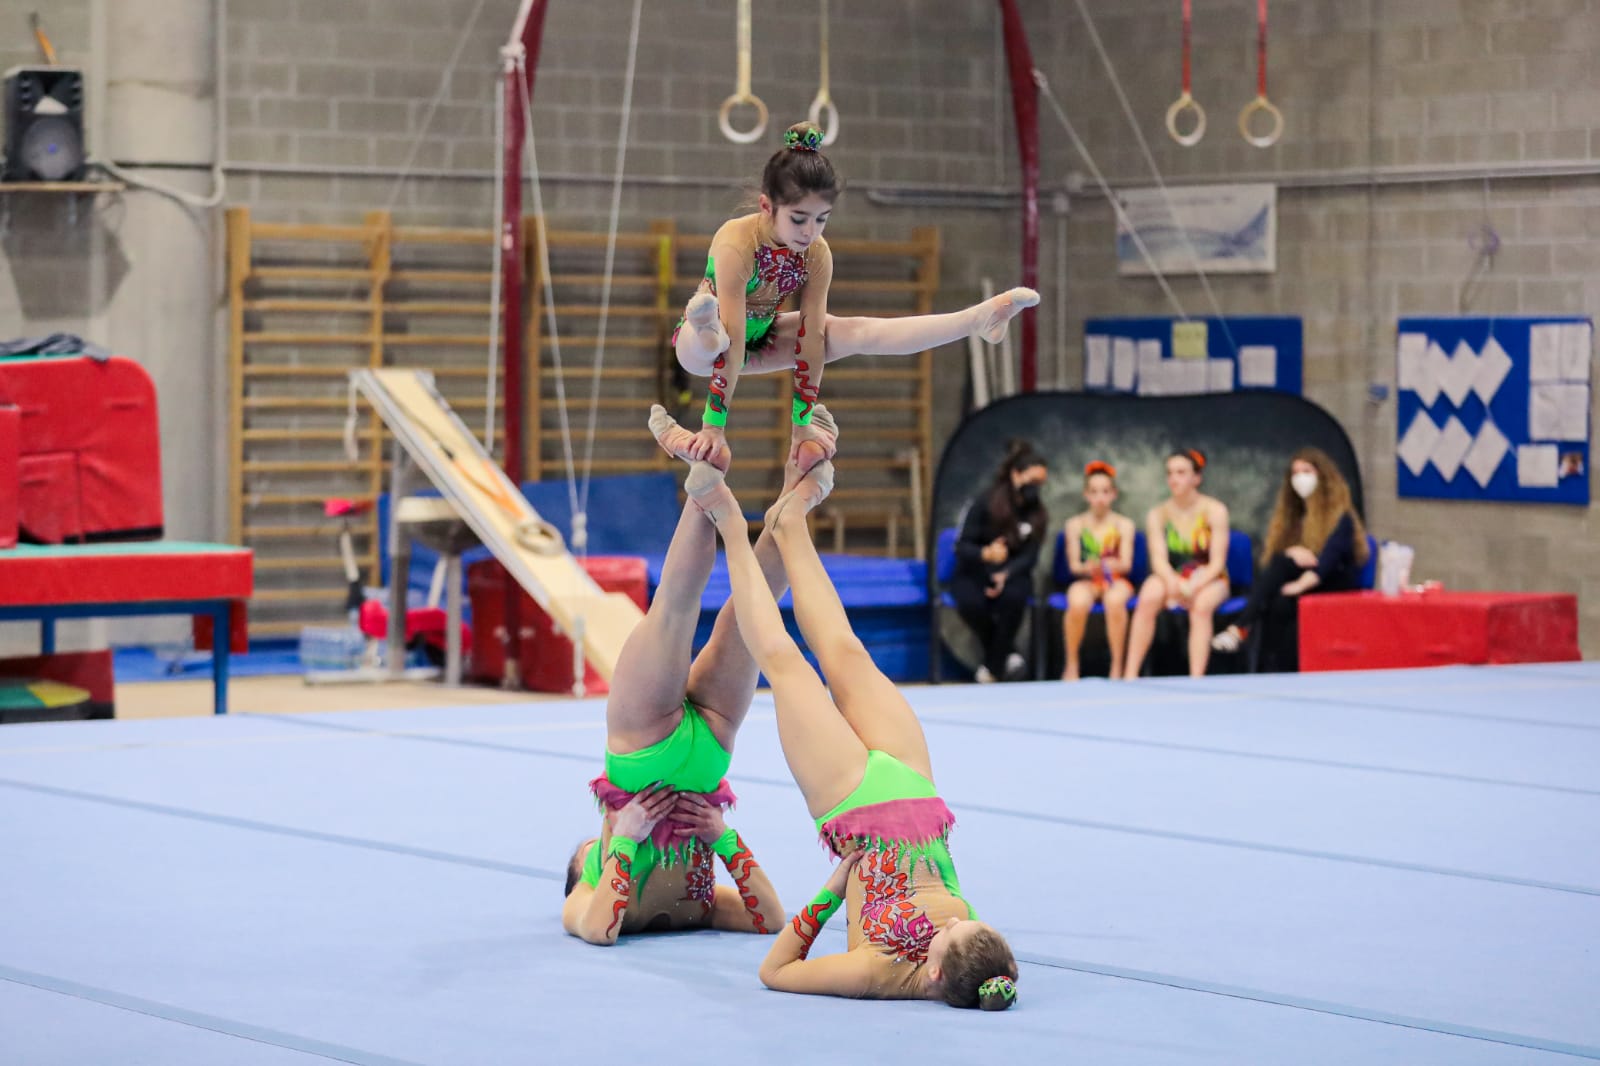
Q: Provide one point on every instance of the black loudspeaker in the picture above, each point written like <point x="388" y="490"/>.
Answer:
<point x="44" y="124"/>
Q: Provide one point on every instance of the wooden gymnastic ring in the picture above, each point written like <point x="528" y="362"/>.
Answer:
<point x="1270" y="138"/>
<point x="1179" y="106"/>
<point x="830" y="129"/>
<point x="724" y="120"/>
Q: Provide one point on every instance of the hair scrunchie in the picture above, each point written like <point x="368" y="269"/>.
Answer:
<point x="1100" y="467"/>
<point x="1197" y="457"/>
<point x="997" y="993"/>
<point x="806" y="140"/>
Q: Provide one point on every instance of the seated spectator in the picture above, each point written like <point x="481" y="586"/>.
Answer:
<point x="1315" y="543"/>
<point x="999" y="546"/>
<point x="1100" y="554"/>
<point x="1188" y="537"/>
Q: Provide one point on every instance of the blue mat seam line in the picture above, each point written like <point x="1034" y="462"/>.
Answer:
<point x="1355" y="703"/>
<point x="289" y="831"/>
<point x="1317" y="1006"/>
<point x="1297" y="760"/>
<point x="195" y="1019"/>
<point x="1282" y="849"/>
<point x="1164" y="834"/>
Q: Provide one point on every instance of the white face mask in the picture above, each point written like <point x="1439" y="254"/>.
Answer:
<point x="1304" y="484"/>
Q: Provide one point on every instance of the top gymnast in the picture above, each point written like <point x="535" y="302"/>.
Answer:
<point x="758" y="261"/>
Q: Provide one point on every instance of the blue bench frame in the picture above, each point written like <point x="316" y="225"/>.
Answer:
<point x="218" y="610"/>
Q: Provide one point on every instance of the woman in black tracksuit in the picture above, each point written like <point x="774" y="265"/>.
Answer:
<point x="1001" y="533"/>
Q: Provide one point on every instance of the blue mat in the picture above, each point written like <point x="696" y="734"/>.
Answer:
<point x="1373" y="868"/>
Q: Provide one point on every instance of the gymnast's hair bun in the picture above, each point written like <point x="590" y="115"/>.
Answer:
<point x="1100" y="466"/>
<point x="803" y="137"/>
<point x="997" y="993"/>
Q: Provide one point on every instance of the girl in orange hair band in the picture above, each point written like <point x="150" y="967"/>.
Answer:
<point x="1099" y="554"/>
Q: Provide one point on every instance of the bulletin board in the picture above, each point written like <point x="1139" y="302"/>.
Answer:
<point x="1494" y="408"/>
<point x="1181" y="357"/>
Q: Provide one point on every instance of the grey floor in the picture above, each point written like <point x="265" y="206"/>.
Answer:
<point x="1390" y="867"/>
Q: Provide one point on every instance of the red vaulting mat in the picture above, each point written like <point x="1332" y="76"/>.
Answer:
<point x="1371" y="631"/>
<point x="89" y="465"/>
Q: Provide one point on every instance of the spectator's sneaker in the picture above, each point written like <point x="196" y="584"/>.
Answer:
<point x="1230" y="639"/>
<point x="983" y="676"/>
<point x="1016" y="667"/>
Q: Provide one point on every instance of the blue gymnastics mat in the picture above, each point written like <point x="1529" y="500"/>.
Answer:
<point x="1339" y="868"/>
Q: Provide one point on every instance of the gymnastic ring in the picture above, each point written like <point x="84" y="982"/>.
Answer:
<point x="1179" y="106"/>
<point x="725" y="123"/>
<point x="539" y="537"/>
<point x="1270" y="138"/>
<point x="830" y="128"/>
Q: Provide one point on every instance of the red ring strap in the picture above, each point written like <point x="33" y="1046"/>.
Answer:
<point x="1261" y="46"/>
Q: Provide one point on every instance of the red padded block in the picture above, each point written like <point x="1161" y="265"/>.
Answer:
<point x="1371" y="631"/>
<point x="88" y="670"/>
<point x="10" y="432"/>
<point x="545" y="655"/>
<point x="238" y="629"/>
<point x="48" y="497"/>
<point x="101" y="416"/>
<point x="47" y="577"/>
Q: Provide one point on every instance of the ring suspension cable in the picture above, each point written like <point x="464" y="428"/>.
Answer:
<point x="823" y="101"/>
<point x="543" y="252"/>
<point x="741" y="92"/>
<point x="1105" y="189"/>
<point x="1261" y="103"/>
<point x="580" y="538"/>
<point x="1186" y="101"/>
<point x="1155" y="171"/>
<point x="495" y="280"/>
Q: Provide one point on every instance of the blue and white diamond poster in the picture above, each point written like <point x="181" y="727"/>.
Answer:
<point x="1494" y="408"/>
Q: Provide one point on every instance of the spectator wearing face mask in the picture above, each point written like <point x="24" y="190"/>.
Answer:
<point x="995" y="557"/>
<point x="1315" y="543"/>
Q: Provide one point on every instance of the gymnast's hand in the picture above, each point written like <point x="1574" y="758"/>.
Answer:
<point x="640" y="815"/>
<point x="699" y="818"/>
<point x="710" y="445"/>
<point x="839" y="882"/>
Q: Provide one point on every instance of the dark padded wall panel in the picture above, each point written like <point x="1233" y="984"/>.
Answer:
<point x="1247" y="438"/>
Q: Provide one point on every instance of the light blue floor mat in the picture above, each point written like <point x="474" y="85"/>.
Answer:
<point x="1392" y="867"/>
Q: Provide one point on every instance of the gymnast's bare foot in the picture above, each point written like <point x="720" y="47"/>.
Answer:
<point x="811" y="444"/>
<point x="708" y="490"/>
<point x="709" y="445"/>
<point x="808" y="492"/>
<point x="701" y="316"/>
<point x="996" y="313"/>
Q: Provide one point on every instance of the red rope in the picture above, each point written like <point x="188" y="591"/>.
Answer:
<point x="1261" y="46"/>
<point x="1188" y="18"/>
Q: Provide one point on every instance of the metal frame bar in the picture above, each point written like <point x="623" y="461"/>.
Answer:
<point x="219" y="610"/>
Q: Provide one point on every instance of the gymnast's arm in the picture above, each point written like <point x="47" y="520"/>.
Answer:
<point x="752" y="905"/>
<point x="809" y="348"/>
<point x="595" y="909"/>
<point x="786" y="968"/>
<point x="593" y="913"/>
<point x="733" y="264"/>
